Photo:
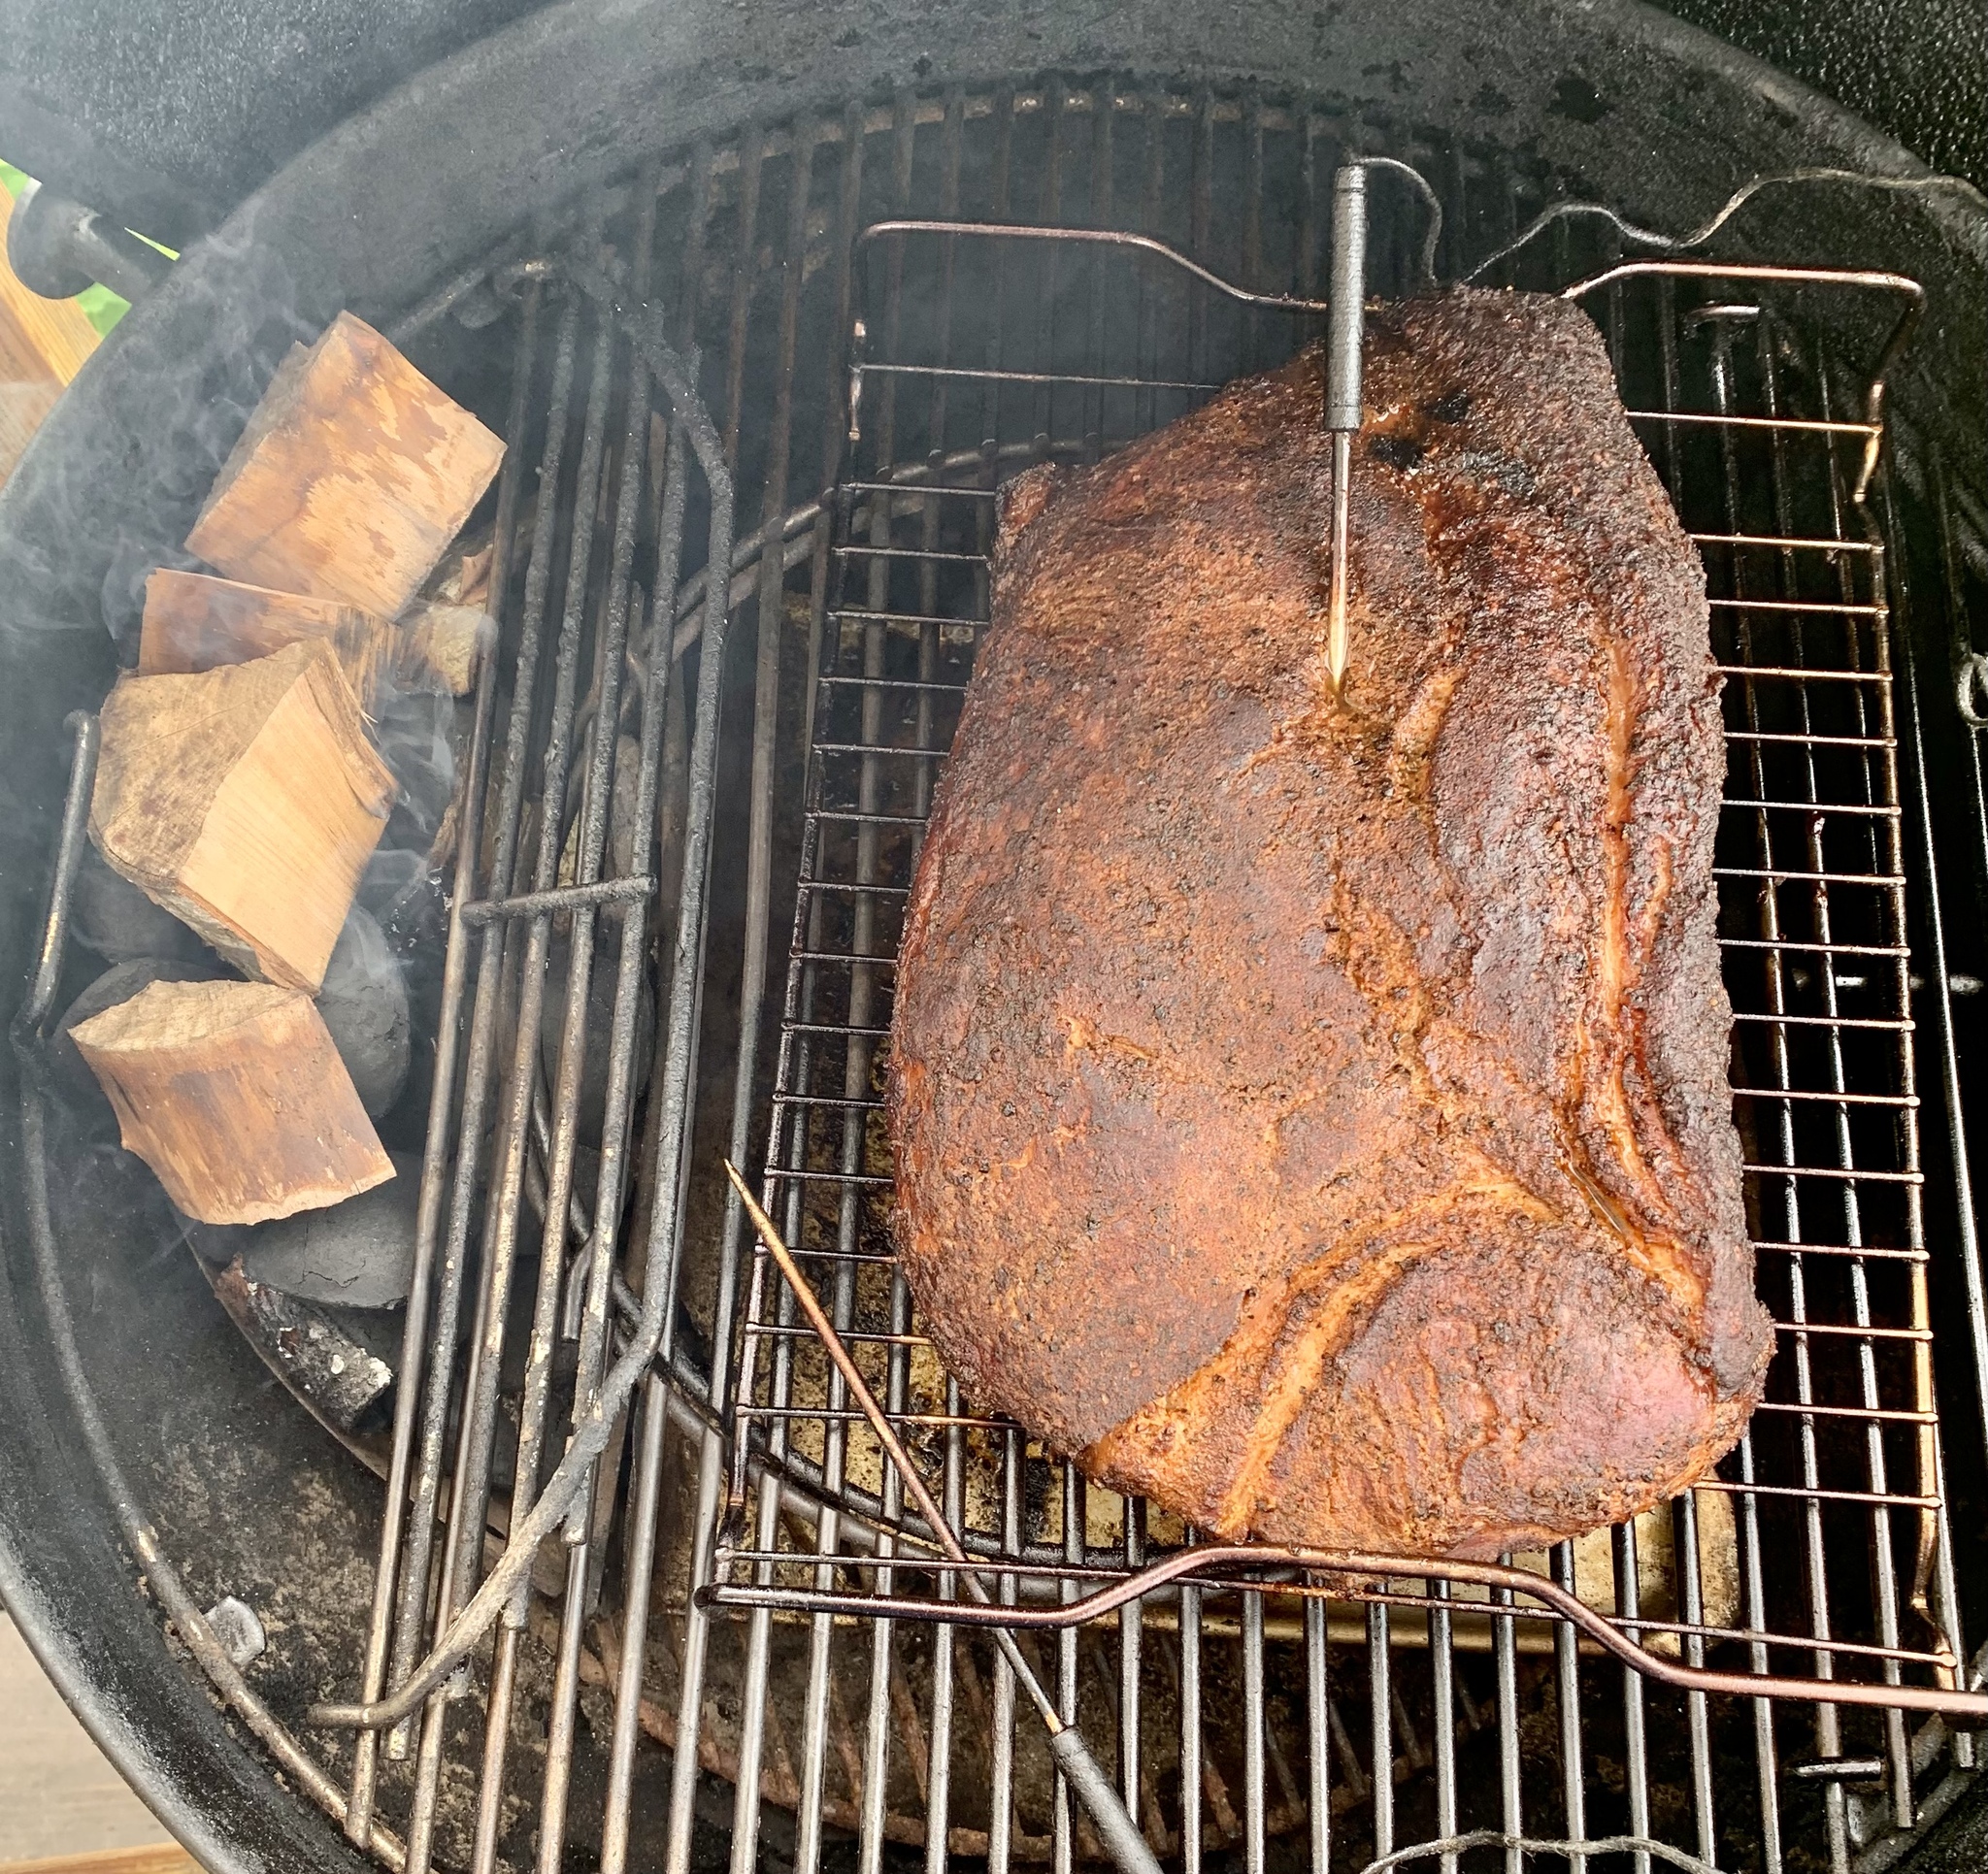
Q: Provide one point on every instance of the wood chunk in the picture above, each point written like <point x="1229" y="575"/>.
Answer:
<point x="194" y="622"/>
<point x="354" y="475"/>
<point x="118" y="984"/>
<point x="234" y="1095"/>
<point x="436" y="646"/>
<point x="246" y="802"/>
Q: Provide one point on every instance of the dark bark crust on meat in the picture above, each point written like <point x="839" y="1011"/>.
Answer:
<point x="1313" y="1113"/>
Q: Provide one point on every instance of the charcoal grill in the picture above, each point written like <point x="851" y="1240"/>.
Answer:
<point x="718" y="1637"/>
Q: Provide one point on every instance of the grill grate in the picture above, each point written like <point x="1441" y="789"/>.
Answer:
<point x="1755" y="438"/>
<point x="575" y="793"/>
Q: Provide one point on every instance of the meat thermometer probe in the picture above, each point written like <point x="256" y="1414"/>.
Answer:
<point x="1344" y="327"/>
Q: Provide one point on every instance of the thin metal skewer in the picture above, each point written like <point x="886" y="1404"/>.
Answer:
<point x="1345" y="324"/>
<point x="1088" y="1781"/>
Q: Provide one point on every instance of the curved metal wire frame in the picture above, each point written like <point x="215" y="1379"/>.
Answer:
<point x="1121" y="1589"/>
<point x="642" y="326"/>
<point x="1867" y="279"/>
<point x="1361" y="1569"/>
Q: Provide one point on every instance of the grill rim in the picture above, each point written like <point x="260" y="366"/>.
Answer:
<point x="570" y="89"/>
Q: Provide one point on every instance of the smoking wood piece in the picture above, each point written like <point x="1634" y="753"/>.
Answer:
<point x="246" y="802"/>
<point x="118" y="984"/>
<point x="435" y="648"/>
<point x="194" y="622"/>
<point x="351" y="478"/>
<point x="234" y="1095"/>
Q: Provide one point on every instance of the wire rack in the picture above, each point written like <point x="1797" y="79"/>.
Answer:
<point x="1820" y="1552"/>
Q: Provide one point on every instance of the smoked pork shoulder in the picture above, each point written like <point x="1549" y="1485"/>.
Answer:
<point x="1309" y="1110"/>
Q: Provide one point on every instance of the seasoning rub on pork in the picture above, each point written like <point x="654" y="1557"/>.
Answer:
<point x="1310" y="1111"/>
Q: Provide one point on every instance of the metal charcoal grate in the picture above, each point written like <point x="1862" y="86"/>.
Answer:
<point x="1762" y="446"/>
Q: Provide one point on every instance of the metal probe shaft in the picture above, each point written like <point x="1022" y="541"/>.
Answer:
<point x="1345" y="319"/>
<point x="1081" y="1769"/>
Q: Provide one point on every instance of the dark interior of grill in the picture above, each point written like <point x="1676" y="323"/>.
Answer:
<point x="671" y="357"/>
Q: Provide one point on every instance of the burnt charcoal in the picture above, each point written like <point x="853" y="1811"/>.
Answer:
<point x="359" y="1254"/>
<point x="110" y="915"/>
<point x="364" y="1002"/>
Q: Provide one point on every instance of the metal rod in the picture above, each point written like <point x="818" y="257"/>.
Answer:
<point x="879" y="1423"/>
<point x="641" y="1563"/>
<point x="69" y="849"/>
<point x="1092" y="1787"/>
<point x="448" y="1043"/>
<point x="559" y="898"/>
<point x="769" y="628"/>
<point x="598" y="789"/>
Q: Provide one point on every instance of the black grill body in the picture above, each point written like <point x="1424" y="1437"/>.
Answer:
<point x="416" y="197"/>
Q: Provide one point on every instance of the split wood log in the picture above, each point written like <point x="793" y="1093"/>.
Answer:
<point x="351" y="478"/>
<point x="246" y="802"/>
<point x="436" y="648"/>
<point x="116" y="985"/>
<point x="196" y="623"/>
<point x="234" y="1095"/>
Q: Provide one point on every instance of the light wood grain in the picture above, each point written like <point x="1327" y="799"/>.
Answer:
<point x="245" y="801"/>
<point x="194" y="622"/>
<point x="42" y="344"/>
<point x="59" y="1795"/>
<point x="152" y="1858"/>
<point x="351" y="478"/>
<point x="435" y="647"/>
<point x="236" y="1097"/>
